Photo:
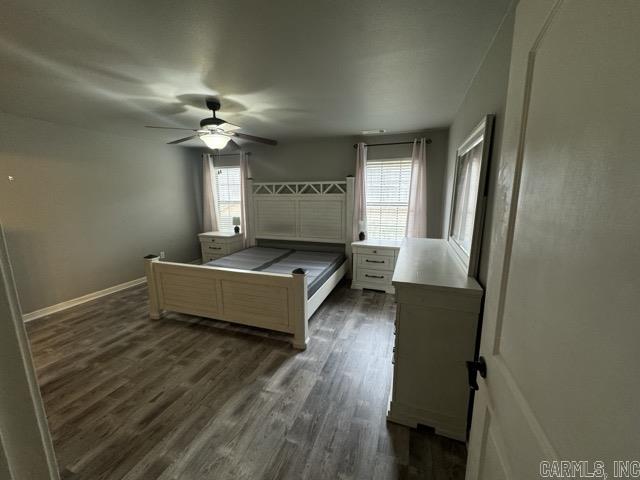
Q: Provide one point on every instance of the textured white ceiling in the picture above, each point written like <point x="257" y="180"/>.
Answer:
<point x="282" y="68"/>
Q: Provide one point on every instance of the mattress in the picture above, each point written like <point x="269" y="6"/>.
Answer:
<point x="254" y="258"/>
<point x="319" y="266"/>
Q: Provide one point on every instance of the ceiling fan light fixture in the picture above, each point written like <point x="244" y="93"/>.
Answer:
<point x="215" y="132"/>
<point x="215" y="141"/>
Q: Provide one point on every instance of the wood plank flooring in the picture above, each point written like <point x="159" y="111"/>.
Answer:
<point x="191" y="399"/>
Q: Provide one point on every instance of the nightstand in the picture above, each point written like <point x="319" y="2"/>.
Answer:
<point x="373" y="264"/>
<point x="218" y="244"/>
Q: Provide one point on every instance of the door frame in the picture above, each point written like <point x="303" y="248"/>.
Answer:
<point x="26" y="442"/>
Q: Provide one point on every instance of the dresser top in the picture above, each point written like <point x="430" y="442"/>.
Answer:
<point x="378" y="243"/>
<point x="431" y="263"/>
<point x="220" y="234"/>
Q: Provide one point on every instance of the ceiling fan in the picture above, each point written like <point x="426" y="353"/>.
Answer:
<point x="215" y="132"/>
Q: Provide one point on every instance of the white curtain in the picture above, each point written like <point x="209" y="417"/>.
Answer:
<point x="209" y="195"/>
<point x="417" y="217"/>
<point x="245" y="199"/>
<point x="360" y="193"/>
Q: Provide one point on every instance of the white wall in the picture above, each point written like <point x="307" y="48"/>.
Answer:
<point x="486" y="94"/>
<point x="85" y="207"/>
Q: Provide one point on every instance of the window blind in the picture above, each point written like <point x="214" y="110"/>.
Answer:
<point x="387" y="184"/>
<point x="228" y="188"/>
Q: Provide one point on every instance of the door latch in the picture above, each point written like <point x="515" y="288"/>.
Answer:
<point x="473" y="368"/>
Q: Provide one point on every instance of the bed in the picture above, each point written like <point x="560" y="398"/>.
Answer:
<point x="278" y="288"/>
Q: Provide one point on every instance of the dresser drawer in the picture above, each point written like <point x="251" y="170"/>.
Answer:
<point x="387" y="252"/>
<point x="374" y="277"/>
<point x="375" y="262"/>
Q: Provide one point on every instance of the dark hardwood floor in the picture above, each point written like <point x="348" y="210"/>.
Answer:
<point x="186" y="398"/>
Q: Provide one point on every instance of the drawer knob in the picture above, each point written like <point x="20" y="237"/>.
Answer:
<point x="373" y="276"/>
<point x="215" y="248"/>
<point x="374" y="261"/>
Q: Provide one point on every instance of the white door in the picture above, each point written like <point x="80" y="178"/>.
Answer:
<point x="561" y="334"/>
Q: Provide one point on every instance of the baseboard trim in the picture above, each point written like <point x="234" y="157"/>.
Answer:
<point x="443" y="424"/>
<point x="74" y="302"/>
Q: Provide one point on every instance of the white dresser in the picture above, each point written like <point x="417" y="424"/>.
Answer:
<point x="217" y="244"/>
<point x="373" y="264"/>
<point x="436" y="324"/>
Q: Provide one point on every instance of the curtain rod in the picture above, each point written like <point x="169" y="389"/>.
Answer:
<point x="355" y="145"/>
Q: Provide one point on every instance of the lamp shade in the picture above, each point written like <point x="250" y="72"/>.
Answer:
<point x="215" y="141"/>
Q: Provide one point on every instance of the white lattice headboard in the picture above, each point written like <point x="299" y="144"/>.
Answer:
<point x="303" y="211"/>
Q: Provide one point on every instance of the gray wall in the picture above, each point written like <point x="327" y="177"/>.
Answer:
<point x="334" y="159"/>
<point x="487" y="94"/>
<point x="85" y="207"/>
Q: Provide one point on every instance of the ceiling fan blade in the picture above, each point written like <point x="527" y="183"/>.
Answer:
<point x="253" y="138"/>
<point x="172" y="128"/>
<point x="235" y="145"/>
<point x="228" y="127"/>
<point x="180" y="140"/>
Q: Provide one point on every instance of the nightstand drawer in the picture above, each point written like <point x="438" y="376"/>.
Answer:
<point x="209" y="257"/>
<point x="214" y="240"/>
<point x="218" y="244"/>
<point x="214" y="249"/>
<point x="387" y="252"/>
<point x="375" y="262"/>
<point x="374" y="277"/>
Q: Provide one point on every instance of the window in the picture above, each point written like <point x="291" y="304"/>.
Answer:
<point x="228" y="187"/>
<point x="387" y="184"/>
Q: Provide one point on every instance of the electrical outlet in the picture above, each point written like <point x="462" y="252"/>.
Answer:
<point x="162" y="255"/>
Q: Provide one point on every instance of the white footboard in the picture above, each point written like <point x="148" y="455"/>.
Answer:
<point x="267" y="300"/>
